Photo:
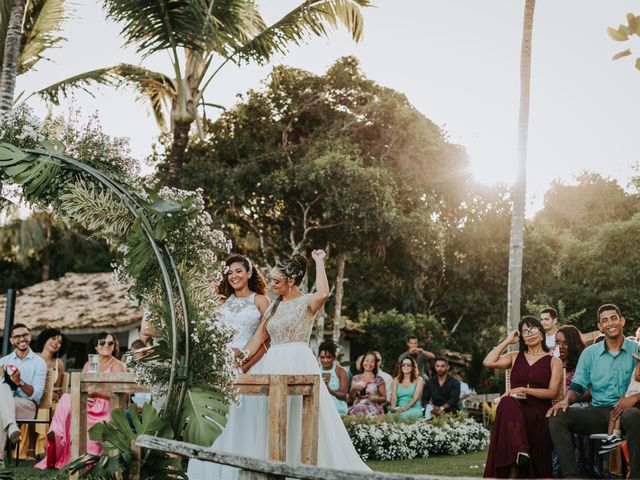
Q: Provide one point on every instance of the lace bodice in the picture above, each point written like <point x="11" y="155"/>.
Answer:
<point x="242" y="314"/>
<point x="292" y="322"/>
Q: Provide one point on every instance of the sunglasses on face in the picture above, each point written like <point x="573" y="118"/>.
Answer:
<point x="22" y="335"/>
<point x="407" y="365"/>
<point x="108" y="343"/>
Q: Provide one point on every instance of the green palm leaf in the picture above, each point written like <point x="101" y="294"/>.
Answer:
<point x="153" y="87"/>
<point x="43" y="20"/>
<point x="310" y="17"/>
<point x="204" y="415"/>
<point x="156" y="25"/>
<point x="52" y="93"/>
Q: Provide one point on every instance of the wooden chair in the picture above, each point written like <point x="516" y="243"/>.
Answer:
<point x="561" y="391"/>
<point x="46" y="404"/>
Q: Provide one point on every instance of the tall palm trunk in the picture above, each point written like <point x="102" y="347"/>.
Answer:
<point x="337" y="311"/>
<point x="178" y="147"/>
<point x="516" y="243"/>
<point x="11" y="55"/>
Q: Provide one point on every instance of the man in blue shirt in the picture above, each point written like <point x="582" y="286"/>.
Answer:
<point x="28" y="372"/>
<point x="605" y="368"/>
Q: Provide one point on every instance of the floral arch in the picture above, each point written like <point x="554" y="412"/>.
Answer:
<point x="168" y="254"/>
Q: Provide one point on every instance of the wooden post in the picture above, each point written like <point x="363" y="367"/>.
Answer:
<point x="310" y="424"/>
<point x="75" y="419"/>
<point x="136" y="466"/>
<point x="277" y="441"/>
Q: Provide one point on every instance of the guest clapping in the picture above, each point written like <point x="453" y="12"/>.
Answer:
<point x="407" y="389"/>
<point x="368" y="392"/>
<point x="335" y="377"/>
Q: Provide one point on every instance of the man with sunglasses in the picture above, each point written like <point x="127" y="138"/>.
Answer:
<point x="27" y="372"/>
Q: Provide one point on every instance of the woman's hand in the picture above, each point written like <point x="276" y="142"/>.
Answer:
<point x="318" y="255"/>
<point x="513" y="337"/>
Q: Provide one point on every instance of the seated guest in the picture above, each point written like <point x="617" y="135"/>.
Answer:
<point x="465" y="391"/>
<point x="520" y="443"/>
<point x="407" y="389"/>
<point x="442" y="392"/>
<point x="368" y="392"/>
<point x="98" y="409"/>
<point x="51" y="344"/>
<point x="24" y="374"/>
<point x="606" y="368"/>
<point x="335" y="377"/>
<point x="418" y="354"/>
<point x="388" y="379"/>
<point x="569" y="341"/>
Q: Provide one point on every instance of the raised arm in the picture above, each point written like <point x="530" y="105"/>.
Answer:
<point x="322" y="284"/>
<point x="495" y="359"/>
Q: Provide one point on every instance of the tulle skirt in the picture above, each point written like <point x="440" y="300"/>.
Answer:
<point x="246" y="432"/>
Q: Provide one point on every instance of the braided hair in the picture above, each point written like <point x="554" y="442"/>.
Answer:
<point x="293" y="268"/>
<point x="256" y="281"/>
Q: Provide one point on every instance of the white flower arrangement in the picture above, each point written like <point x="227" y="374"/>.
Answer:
<point x="387" y="438"/>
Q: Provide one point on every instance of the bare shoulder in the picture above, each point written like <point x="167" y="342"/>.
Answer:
<point x="261" y="300"/>
<point x="556" y="362"/>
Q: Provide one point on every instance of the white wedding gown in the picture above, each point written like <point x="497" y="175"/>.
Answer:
<point x="289" y="354"/>
<point x="241" y="313"/>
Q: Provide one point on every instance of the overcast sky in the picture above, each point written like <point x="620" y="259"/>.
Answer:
<point x="458" y="63"/>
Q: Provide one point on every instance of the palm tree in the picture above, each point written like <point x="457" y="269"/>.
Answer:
<point x="10" y="51"/>
<point x="27" y="29"/>
<point x="194" y="33"/>
<point x="516" y="243"/>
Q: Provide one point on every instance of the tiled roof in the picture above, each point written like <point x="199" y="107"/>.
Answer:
<point x="75" y="303"/>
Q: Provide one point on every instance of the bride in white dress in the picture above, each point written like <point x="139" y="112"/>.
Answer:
<point x="244" y="288"/>
<point x="288" y="322"/>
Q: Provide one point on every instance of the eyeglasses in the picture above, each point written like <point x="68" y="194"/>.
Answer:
<point x="23" y="335"/>
<point x="407" y="365"/>
<point x="530" y="331"/>
<point x="108" y="343"/>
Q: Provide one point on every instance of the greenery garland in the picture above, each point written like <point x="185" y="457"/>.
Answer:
<point x="168" y="255"/>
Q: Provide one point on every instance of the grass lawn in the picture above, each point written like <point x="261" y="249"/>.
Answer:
<point x="470" y="465"/>
<point x="447" y="465"/>
<point x="25" y="471"/>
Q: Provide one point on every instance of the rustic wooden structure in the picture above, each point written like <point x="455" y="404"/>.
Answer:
<point x="120" y="386"/>
<point x="256" y="469"/>
<point x="278" y="388"/>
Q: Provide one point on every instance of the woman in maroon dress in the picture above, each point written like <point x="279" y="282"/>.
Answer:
<point x="520" y="441"/>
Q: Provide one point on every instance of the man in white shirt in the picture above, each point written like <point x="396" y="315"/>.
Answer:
<point x="388" y="379"/>
<point x="27" y="372"/>
<point x="549" y="321"/>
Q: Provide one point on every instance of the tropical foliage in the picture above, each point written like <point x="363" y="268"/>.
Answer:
<point x="195" y="34"/>
<point x="623" y="34"/>
<point x="167" y="254"/>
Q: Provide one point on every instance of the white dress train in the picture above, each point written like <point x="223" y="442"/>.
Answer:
<point x="289" y="354"/>
<point x="241" y="313"/>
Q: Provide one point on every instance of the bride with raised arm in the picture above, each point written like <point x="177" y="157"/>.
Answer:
<point x="288" y="323"/>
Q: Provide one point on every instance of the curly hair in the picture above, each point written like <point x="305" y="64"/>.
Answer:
<point x="415" y="373"/>
<point x="48" y="333"/>
<point x="256" y="281"/>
